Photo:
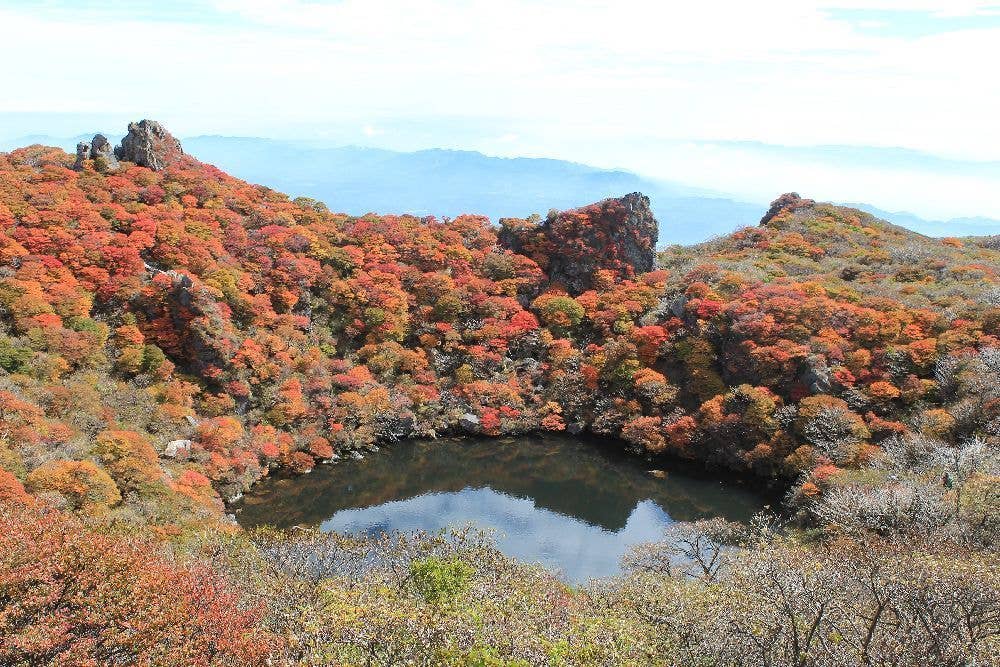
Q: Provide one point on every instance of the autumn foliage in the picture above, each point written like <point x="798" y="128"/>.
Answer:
<point x="72" y="596"/>
<point x="167" y="338"/>
<point x="141" y="307"/>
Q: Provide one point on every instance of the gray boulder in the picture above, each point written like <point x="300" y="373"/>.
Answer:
<point x="177" y="449"/>
<point x="101" y="149"/>
<point x="817" y="375"/>
<point x="469" y="422"/>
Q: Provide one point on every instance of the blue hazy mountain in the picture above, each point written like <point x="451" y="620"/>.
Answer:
<point x="884" y="158"/>
<point x="965" y="226"/>
<point x="359" y="180"/>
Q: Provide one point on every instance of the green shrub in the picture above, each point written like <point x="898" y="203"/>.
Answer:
<point x="439" y="580"/>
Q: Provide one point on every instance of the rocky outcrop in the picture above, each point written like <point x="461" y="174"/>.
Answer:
<point x="99" y="149"/>
<point x="203" y="334"/>
<point x="618" y="235"/>
<point x="816" y="375"/>
<point x="148" y="144"/>
<point x="177" y="449"/>
<point x="469" y="423"/>
<point x="82" y="153"/>
<point x="788" y="203"/>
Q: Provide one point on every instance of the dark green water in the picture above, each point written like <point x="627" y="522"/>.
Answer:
<point x="572" y="505"/>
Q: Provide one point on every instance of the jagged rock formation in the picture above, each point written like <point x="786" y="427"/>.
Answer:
<point x="617" y="235"/>
<point x="99" y="148"/>
<point x="148" y="144"/>
<point x="790" y="202"/>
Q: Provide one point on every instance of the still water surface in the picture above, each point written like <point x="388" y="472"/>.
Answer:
<point x="569" y="504"/>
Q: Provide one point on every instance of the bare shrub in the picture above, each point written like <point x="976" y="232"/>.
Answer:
<point x="857" y="603"/>
<point x="904" y="508"/>
<point x="698" y="549"/>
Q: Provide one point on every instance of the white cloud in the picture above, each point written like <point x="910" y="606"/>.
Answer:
<point x="937" y="194"/>
<point x="582" y="74"/>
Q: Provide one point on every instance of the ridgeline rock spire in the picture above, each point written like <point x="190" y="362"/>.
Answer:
<point x="99" y="149"/>
<point x="148" y="144"/>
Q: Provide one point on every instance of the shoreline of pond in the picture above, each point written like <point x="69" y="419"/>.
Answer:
<point x="773" y="489"/>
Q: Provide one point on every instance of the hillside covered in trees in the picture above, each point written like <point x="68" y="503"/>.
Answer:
<point x="169" y="335"/>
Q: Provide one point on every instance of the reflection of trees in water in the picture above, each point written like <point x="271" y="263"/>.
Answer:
<point x="572" y="477"/>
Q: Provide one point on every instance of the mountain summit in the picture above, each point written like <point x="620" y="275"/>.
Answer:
<point x="788" y="203"/>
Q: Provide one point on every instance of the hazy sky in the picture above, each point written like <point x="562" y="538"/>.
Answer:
<point x="697" y="92"/>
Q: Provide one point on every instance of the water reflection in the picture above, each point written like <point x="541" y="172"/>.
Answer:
<point x="568" y="504"/>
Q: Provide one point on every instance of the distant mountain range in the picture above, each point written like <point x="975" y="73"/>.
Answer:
<point x="966" y="226"/>
<point x="358" y="180"/>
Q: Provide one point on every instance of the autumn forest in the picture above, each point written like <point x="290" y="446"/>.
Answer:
<point x="170" y="335"/>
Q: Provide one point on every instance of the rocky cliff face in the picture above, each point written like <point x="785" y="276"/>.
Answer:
<point x="617" y="235"/>
<point x="148" y="144"/>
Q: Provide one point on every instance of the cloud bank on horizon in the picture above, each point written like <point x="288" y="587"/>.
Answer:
<point x="722" y="95"/>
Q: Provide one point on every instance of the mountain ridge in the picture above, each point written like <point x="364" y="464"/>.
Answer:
<point x="358" y="179"/>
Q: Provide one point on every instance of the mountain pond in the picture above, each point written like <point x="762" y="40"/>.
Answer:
<point x="574" y="505"/>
